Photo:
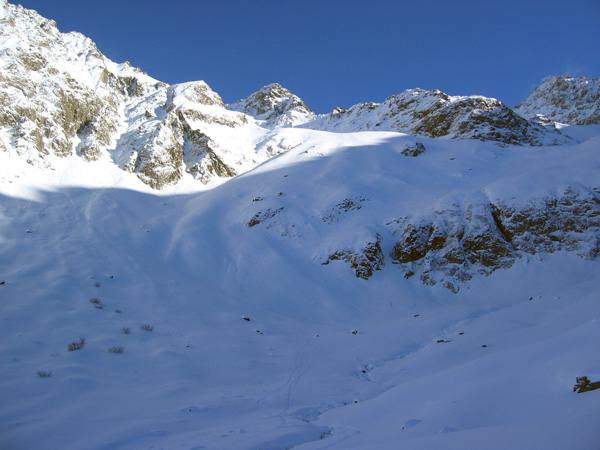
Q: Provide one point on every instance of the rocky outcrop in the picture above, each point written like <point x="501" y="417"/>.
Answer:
<point x="338" y="212"/>
<point x="568" y="220"/>
<point x="436" y="114"/>
<point x="564" y="99"/>
<point x="364" y="261"/>
<point x="263" y="216"/>
<point x="457" y="242"/>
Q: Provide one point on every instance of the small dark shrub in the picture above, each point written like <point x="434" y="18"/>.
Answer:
<point x="117" y="349"/>
<point x="126" y="330"/>
<point x="583" y="384"/>
<point x="147" y="327"/>
<point x="44" y="374"/>
<point x="97" y="303"/>
<point x="76" y="345"/>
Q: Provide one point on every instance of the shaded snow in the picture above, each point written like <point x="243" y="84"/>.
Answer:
<point x="325" y="360"/>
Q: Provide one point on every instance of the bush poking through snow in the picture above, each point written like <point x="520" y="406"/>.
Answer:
<point x="117" y="349"/>
<point x="126" y="330"/>
<point x="413" y="150"/>
<point x="76" y="345"/>
<point x="97" y="303"/>
<point x="583" y="384"/>
<point x="44" y="374"/>
<point x="146" y="327"/>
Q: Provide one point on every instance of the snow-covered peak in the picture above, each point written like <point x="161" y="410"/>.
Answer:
<point x="63" y="98"/>
<point x="198" y="92"/>
<point x="276" y="105"/>
<point x="565" y="99"/>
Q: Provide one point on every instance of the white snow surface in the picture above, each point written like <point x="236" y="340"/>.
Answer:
<point x="326" y="360"/>
<point x="250" y="341"/>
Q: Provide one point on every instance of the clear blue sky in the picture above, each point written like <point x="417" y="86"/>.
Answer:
<point x="338" y="53"/>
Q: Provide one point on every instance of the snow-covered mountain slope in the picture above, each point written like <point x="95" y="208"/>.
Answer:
<point x="564" y="99"/>
<point x="256" y="343"/>
<point x="436" y="114"/>
<point x="62" y="98"/>
<point x="344" y="289"/>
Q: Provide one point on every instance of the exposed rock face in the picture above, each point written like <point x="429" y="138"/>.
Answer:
<point x="46" y="107"/>
<point x="456" y="242"/>
<point x="275" y="105"/>
<point x="436" y="114"/>
<point x="169" y="134"/>
<point x="564" y="99"/>
<point x="569" y="220"/>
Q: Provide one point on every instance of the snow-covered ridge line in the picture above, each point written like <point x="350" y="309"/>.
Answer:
<point x="65" y="99"/>
<point x="436" y="114"/>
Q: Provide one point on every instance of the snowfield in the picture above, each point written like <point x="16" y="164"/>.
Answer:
<point x="251" y="341"/>
<point x="177" y="273"/>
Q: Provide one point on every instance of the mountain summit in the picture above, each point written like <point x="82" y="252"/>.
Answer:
<point x="565" y="99"/>
<point x="276" y="105"/>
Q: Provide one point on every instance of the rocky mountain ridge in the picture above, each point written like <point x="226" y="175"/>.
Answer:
<point x="64" y="98"/>
<point x="436" y="114"/>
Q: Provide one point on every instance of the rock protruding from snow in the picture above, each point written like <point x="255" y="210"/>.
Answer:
<point x="436" y="114"/>
<point x="365" y="261"/>
<point x="276" y="105"/>
<point x="457" y="242"/>
<point x="565" y="99"/>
